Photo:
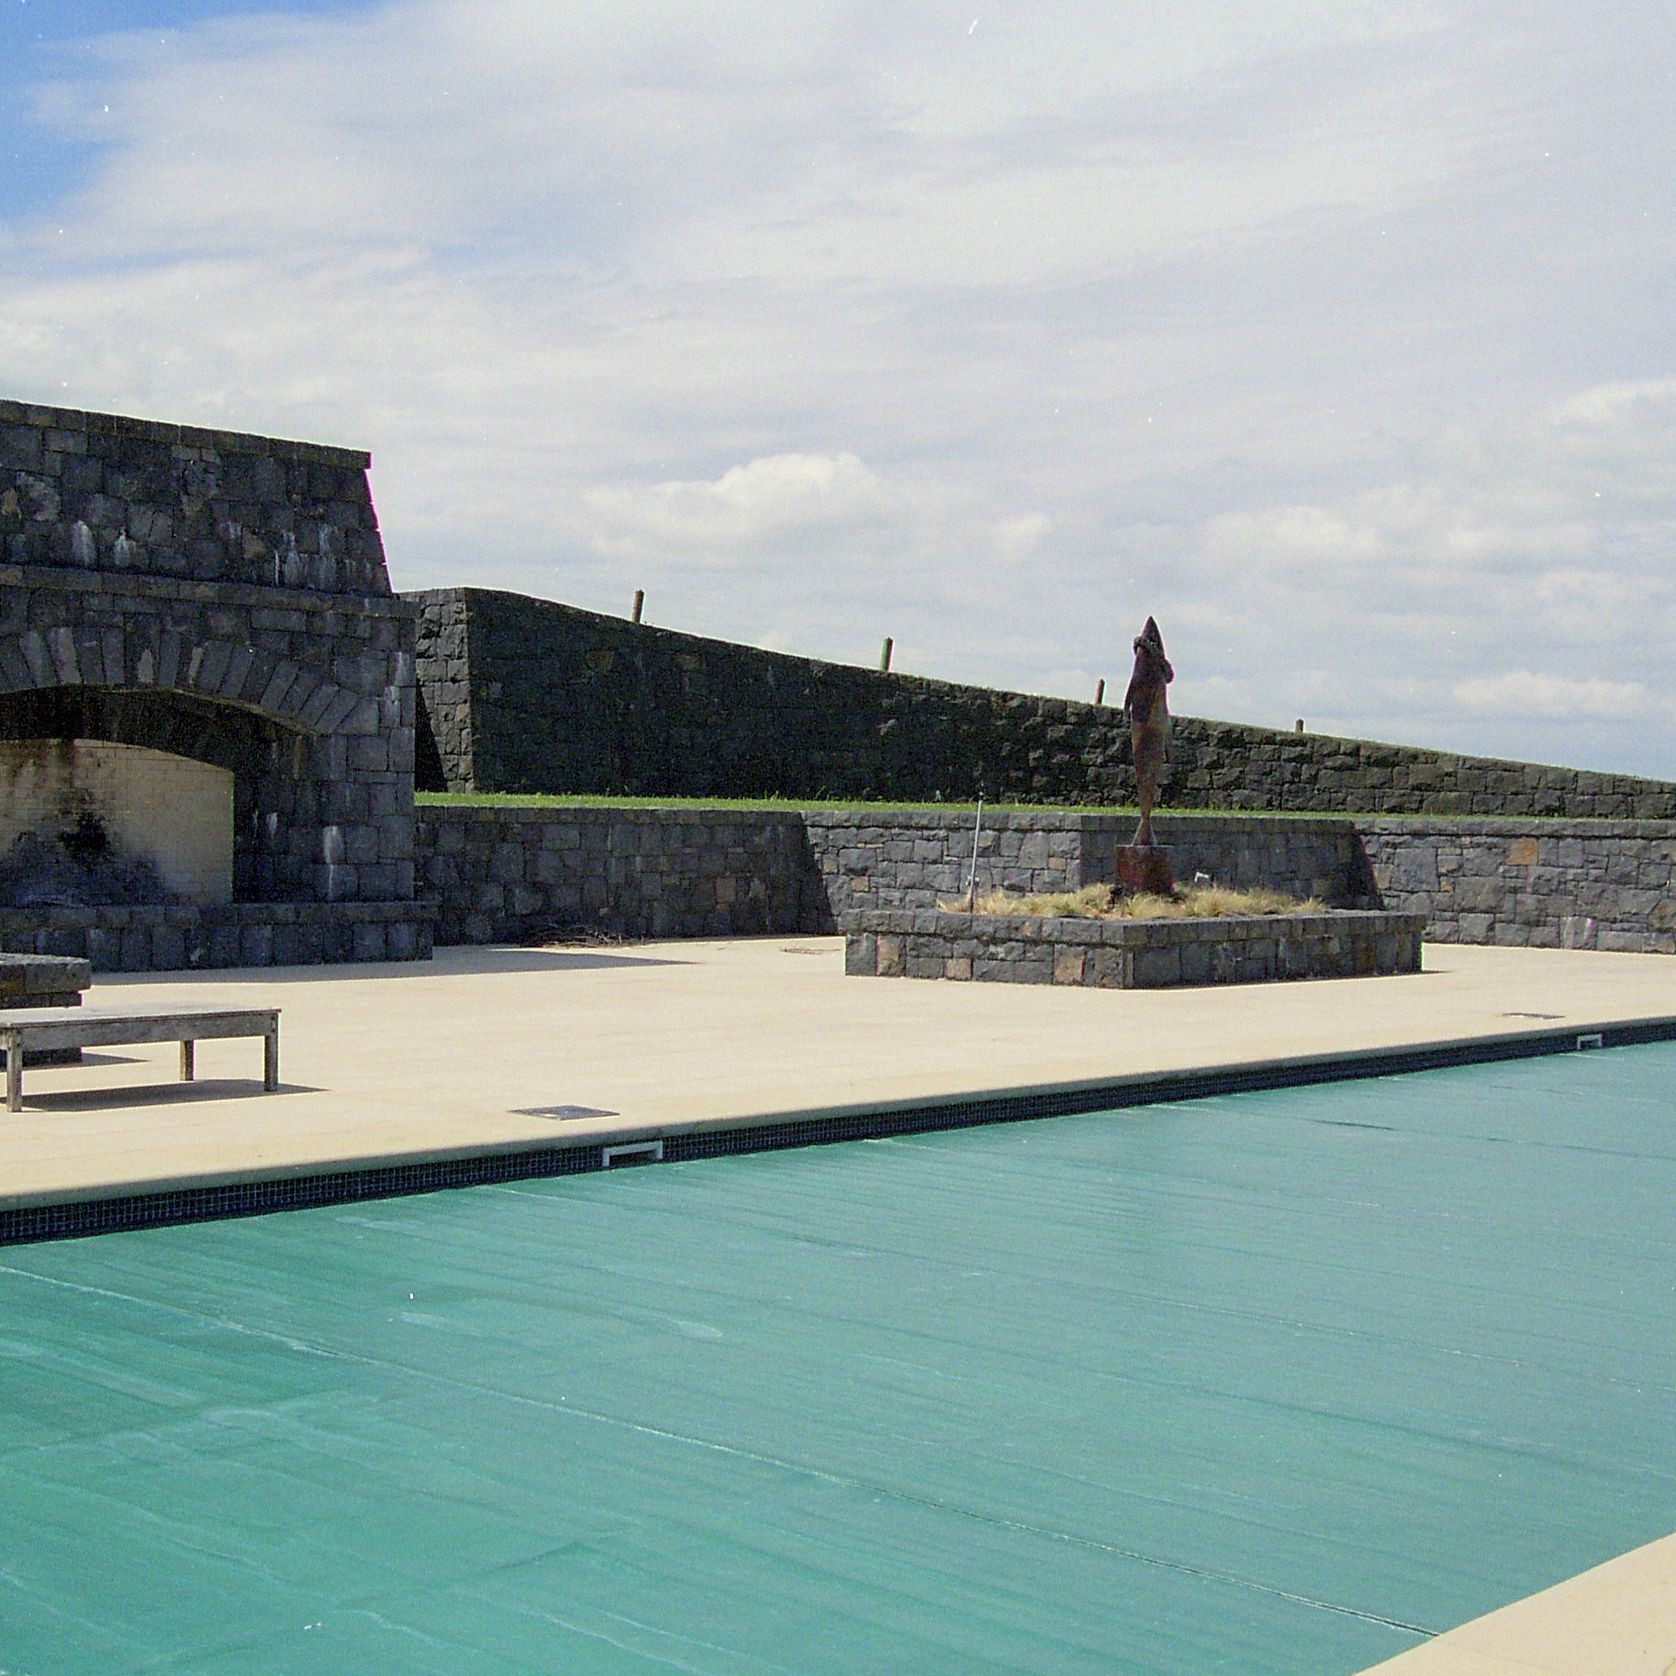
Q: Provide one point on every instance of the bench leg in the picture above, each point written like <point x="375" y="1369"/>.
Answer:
<point x="270" y="1058"/>
<point x="187" y="1060"/>
<point x="14" y="1075"/>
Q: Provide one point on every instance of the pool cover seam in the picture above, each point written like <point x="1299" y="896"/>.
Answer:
<point x="71" y="1219"/>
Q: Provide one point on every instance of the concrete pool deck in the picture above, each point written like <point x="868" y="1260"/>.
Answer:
<point x="399" y="1063"/>
<point x="391" y="1064"/>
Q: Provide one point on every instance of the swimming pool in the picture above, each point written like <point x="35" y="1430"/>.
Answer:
<point x="1270" y="1382"/>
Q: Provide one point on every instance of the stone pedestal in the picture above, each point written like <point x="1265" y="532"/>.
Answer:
<point x="1143" y="870"/>
<point x="44" y="980"/>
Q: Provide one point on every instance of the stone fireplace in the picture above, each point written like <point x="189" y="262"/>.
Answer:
<point x="206" y="700"/>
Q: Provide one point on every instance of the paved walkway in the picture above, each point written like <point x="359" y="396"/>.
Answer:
<point x="394" y="1063"/>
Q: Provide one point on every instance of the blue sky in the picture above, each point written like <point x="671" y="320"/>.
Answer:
<point x="43" y="41"/>
<point x="1335" y="335"/>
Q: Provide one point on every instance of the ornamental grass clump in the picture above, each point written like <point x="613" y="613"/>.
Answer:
<point x="1095" y="902"/>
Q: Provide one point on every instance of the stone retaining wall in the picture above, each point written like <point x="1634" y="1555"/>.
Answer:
<point x="1131" y="954"/>
<point x="510" y="875"/>
<point x="1542" y="884"/>
<point x="914" y="858"/>
<point x="527" y="695"/>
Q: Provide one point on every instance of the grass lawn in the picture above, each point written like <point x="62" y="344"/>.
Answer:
<point x="601" y="800"/>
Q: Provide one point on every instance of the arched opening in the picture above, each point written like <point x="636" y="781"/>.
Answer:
<point x="109" y="796"/>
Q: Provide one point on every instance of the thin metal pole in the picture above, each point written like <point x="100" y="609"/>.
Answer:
<point x="972" y="875"/>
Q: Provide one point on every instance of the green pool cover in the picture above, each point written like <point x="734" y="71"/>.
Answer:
<point x="1276" y="1382"/>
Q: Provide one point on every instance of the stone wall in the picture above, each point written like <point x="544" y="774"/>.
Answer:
<point x="1131" y="954"/>
<point x="525" y="695"/>
<point x="528" y="695"/>
<point x="512" y="875"/>
<point x="875" y="859"/>
<point x="1541" y="884"/>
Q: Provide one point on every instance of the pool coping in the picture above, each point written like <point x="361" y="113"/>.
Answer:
<point x="31" y="1217"/>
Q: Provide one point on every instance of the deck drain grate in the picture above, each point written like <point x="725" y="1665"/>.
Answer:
<point x="562" y="1114"/>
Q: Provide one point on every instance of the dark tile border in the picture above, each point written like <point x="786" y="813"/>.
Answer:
<point x="33" y="1223"/>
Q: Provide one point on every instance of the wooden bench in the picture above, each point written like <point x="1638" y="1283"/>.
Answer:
<point x="29" y="1030"/>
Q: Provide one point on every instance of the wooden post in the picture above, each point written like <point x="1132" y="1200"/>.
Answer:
<point x="884" y="657"/>
<point x="187" y="1059"/>
<point x="639" y="601"/>
<point x="1100" y="691"/>
<point x="1299" y="726"/>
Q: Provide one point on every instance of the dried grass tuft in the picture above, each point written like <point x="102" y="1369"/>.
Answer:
<point x="1095" y="902"/>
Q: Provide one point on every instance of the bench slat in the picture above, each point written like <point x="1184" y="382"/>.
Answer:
<point x="112" y="1031"/>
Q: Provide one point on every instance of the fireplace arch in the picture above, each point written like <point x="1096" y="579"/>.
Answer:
<point x="157" y="659"/>
<point x="270" y="723"/>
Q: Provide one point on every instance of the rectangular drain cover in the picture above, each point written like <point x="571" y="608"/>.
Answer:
<point x="561" y="1113"/>
<point x="631" y="1152"/>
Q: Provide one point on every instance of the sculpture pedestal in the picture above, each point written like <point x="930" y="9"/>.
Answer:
<point x="1143" y="870"/>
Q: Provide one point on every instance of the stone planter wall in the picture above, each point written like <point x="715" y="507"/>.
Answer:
<point x="1131" y="954"/>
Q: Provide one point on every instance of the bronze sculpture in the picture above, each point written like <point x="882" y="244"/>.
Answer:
<point x="1149" y="723"/>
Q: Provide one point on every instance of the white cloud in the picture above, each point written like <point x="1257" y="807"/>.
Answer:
<point x="1488" y="586"/>
<point x="1531" y="693"/>
<point x="1334" y="336"/>
<point x="748" y="508"/>
<point x="1295" y="537"/>
<point x="1639" y="402"/>
<point x="823" y="522"/>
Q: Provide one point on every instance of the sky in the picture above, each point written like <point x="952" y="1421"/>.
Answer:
<point x="1337" y="336"/>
